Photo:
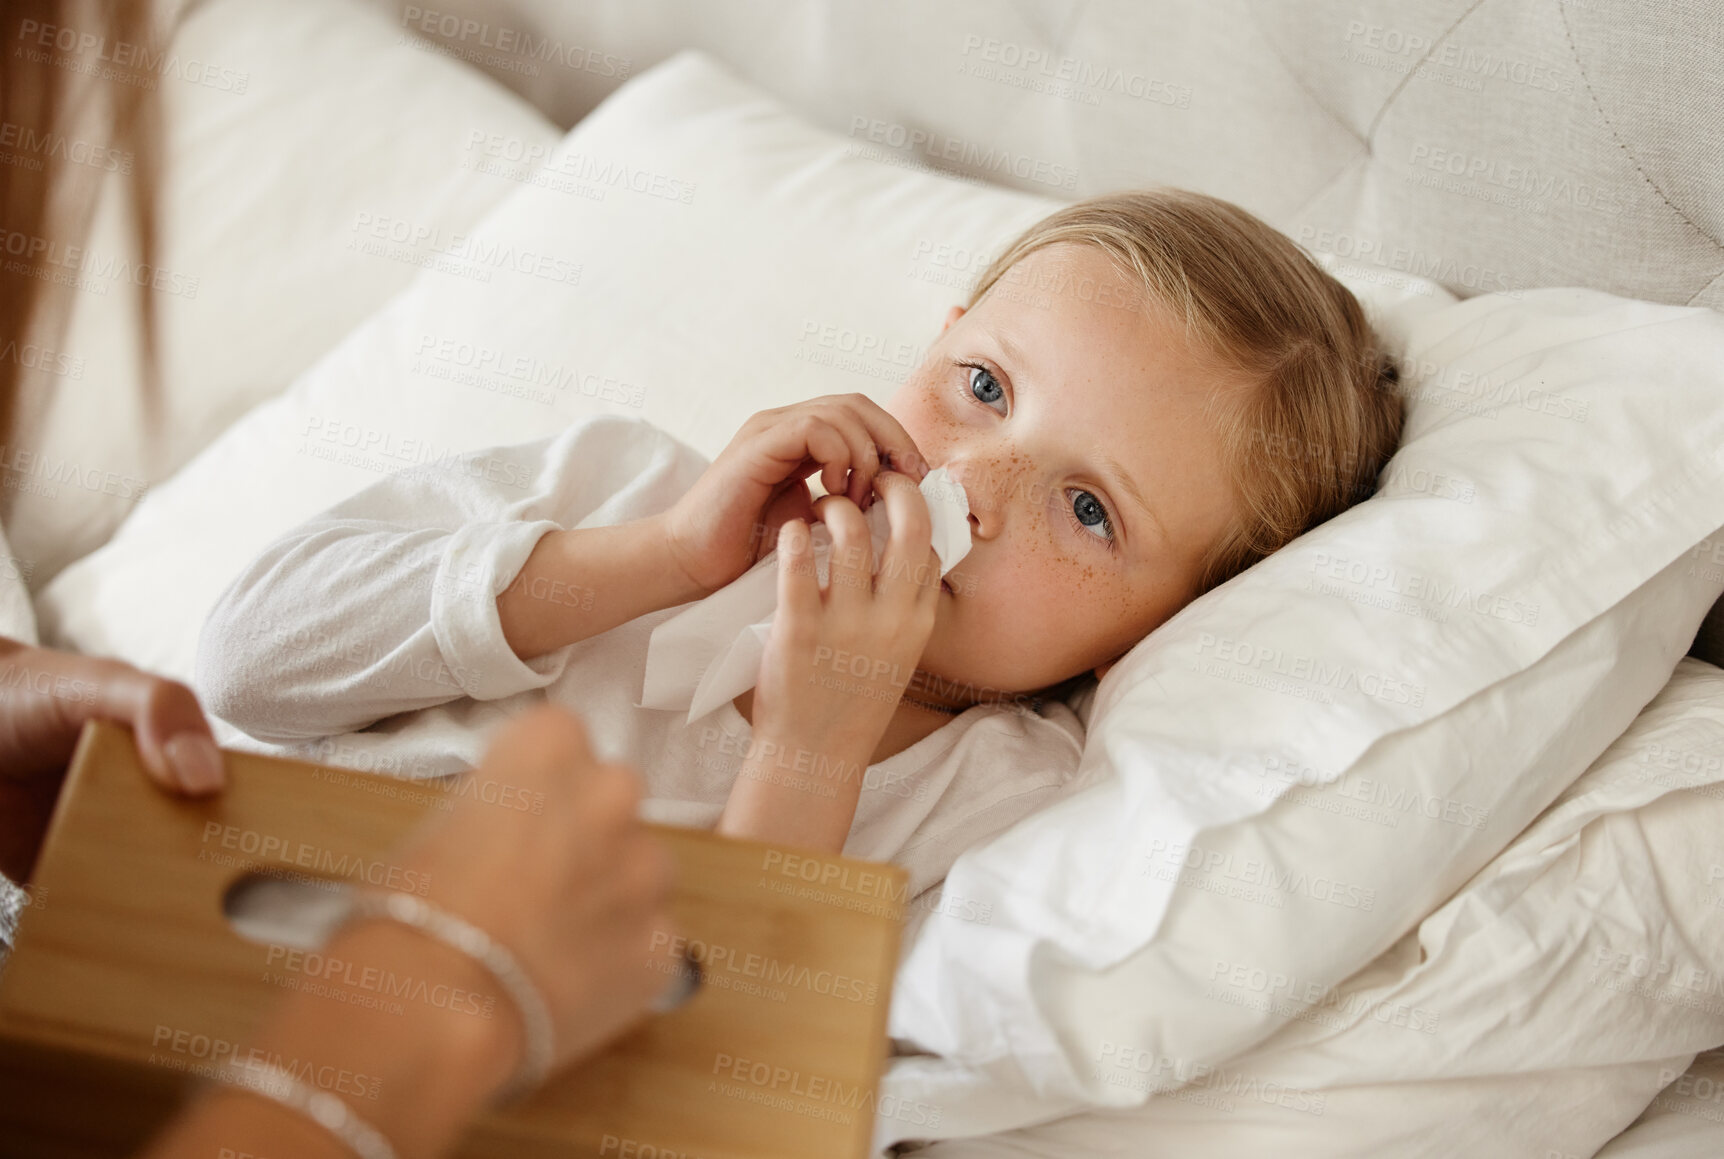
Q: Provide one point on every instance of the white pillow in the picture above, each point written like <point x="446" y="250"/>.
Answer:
<point x="293" y="130"/>
<point x="741" y="259"/>
<point x="1536" y="1012"/>
<point x="679" y="261"/>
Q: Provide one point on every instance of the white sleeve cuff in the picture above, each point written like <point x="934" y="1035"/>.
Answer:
<point x="480" y="560"/>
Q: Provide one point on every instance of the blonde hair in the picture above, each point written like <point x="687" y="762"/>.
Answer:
<point x="1325" y="415"/>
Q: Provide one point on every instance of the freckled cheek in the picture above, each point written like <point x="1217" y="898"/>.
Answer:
<point x="1032" y="582"/>
<point x="927" y="421"/>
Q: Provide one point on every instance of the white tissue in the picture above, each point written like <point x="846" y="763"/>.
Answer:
<point x="711" y="653"/>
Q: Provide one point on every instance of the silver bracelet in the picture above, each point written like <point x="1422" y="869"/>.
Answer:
<point x="489" y="953"/>
<point x="321" y="1107"/>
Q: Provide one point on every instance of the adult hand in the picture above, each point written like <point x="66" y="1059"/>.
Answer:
<point x="573" y="884"/>
<point x="45" y="698"/>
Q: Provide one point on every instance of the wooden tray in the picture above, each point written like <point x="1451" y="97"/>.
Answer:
<point x="127" y="968"/>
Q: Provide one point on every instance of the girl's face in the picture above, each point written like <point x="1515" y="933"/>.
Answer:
<point x="1073" y="414"/>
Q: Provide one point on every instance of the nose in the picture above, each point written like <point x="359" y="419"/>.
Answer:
<point x="984" y="488"/>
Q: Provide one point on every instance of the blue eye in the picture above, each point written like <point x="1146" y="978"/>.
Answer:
<point x="984" y="387"/>
<point x="1090" y="513"/>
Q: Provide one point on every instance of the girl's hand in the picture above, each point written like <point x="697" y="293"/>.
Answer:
<point x="730" y="518"/>
<point x="835" y="666"/>
<point x="45" y="698"/>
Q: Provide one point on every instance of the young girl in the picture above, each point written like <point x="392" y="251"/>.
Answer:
<point x="1146" y="393"/>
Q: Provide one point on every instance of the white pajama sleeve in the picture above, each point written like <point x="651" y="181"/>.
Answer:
<point x="386" y="603"/>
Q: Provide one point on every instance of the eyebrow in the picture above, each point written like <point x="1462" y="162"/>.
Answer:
<point x="1121" y="480"/>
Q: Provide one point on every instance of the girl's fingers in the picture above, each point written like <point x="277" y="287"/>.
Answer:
<point x="887" y="434"/>
<point x="795" y="448"/>
<point x="793" y="502"/>
<point x="909" y="567"/>
<point x="798" y="586"/>
<point x="845" y="450"/>
<point x="864" y="456"/>
<point x="827" y="444"/>
<point x="843" y="435"/>
<point x="850" y="574"/>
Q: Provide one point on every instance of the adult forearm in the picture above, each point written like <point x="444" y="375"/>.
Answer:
<point x="579" y="583"/>
<point x="417" y="1073"/>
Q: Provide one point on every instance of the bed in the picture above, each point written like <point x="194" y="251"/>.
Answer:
<point x="1467" y="151"/>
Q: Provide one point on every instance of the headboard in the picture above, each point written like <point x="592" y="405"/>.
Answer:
<point x="1488" y="144"/>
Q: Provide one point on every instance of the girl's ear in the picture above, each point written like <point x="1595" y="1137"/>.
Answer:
<point x="952" y="315"/>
